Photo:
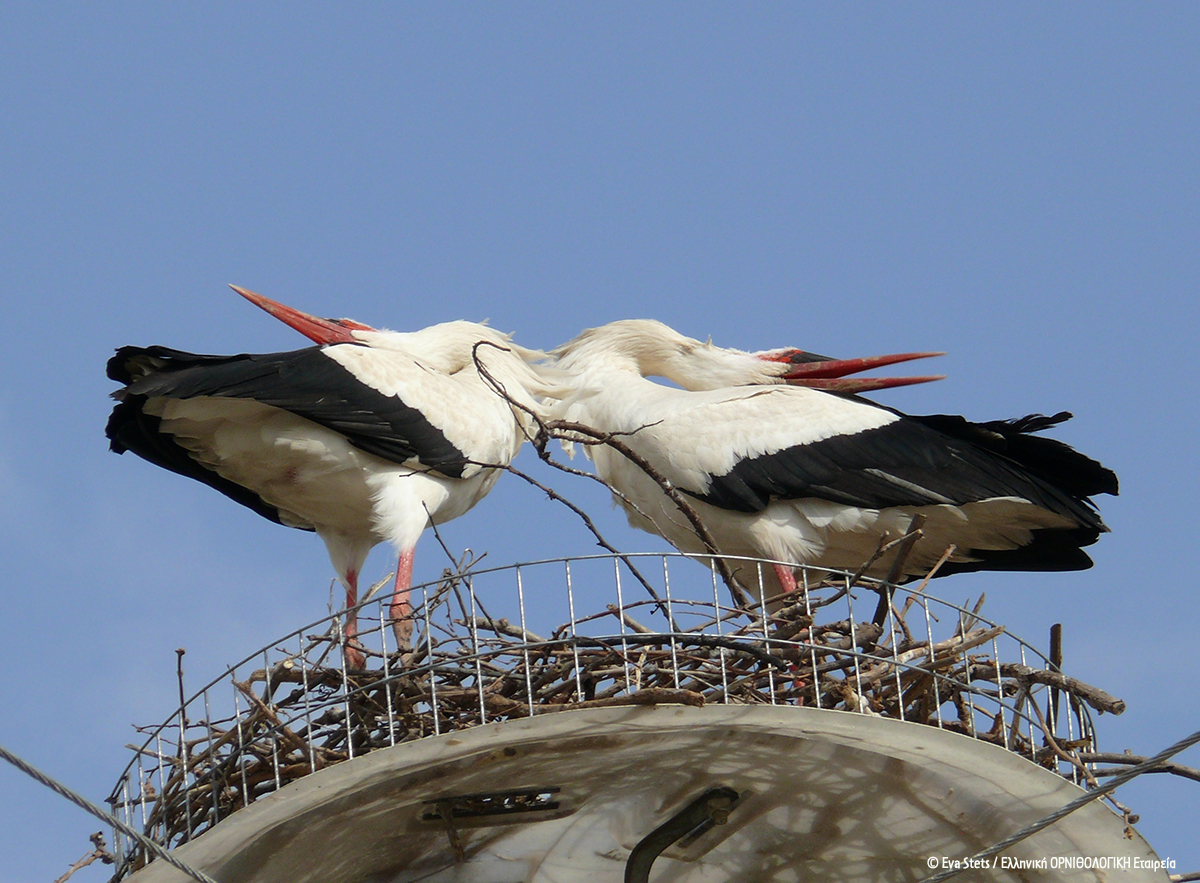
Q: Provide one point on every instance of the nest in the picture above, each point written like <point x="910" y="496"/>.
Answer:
<point x="296" y="714"/>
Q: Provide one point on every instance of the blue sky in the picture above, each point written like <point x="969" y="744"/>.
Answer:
<point x="1016" y="185"/>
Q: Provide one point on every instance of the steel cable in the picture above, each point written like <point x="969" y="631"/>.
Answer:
<point x="85" y="804"/>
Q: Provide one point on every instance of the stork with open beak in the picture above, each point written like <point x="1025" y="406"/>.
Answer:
<point x="782" y="459"/>
<point x="368" y="436"/>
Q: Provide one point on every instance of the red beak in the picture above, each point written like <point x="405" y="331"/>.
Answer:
<point x="313" y="327"/>
<point x="821" y="372"/>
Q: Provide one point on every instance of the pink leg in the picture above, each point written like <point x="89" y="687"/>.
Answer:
<point x="351" y="652"/>
<point x="401" y="609"/>
<point x="786" y="577"/>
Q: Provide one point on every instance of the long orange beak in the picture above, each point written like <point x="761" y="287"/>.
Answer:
<point x="313" y="327"/>
<point x="821" y="372"/>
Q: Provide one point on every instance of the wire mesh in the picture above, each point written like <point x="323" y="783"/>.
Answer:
<point x="658" y="631"/>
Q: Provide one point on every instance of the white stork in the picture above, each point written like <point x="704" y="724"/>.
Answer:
<point x="369" y="436"/>
<point x="781" y="459"/>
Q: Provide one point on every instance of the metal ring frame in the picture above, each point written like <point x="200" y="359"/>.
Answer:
<point x="466" y="667"/>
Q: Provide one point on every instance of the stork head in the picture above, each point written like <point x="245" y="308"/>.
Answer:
<point x="655" y="350"/>
<point x="320" y="330"/>
<point x="652" y="349"/>
<point x="801" y="368"/>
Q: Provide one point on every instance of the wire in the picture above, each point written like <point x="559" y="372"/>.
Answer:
<point x="84" y="803"/>
<point x="1068" y="808"/>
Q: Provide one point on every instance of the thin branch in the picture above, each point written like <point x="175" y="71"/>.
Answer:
<point x="1175" y="769"/>
<point x="588" y="435"/>
<point x="99" y="852"/>
<point x="593" y="436"/>
<point x="591" y="526"/>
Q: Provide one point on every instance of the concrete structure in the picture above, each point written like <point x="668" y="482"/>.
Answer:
<point x="823" y="796"/>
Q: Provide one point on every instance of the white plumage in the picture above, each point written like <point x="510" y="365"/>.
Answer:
<point x="779" y="470"/>
<point x="368" y="437"/>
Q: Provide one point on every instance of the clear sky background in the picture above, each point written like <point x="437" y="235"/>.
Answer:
<point x="1015" y="185"/>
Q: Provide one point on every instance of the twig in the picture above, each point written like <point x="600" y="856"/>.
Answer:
<point x="588" y="523"/>
<point x="1175" y="769"/>
<point x="99" y="851"/>
<point x="1072" y="757"/>
<point x="628" y="620"/>
<point x="583" y="434"/>
<point x="612" y="440"/>
<point x="1093" y="696"/>
<point x="920" y="589"/>
<point x="910" y="538"/>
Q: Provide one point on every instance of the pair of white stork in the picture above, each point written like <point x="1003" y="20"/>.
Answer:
<point x="373" y="435"/>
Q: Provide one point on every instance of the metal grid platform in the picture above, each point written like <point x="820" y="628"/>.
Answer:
<point x="491" y="644"/>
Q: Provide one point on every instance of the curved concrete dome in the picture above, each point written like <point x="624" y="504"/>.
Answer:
<point x="824" y="796"/>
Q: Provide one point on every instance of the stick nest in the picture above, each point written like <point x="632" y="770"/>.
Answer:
<point x="298" y="714"/>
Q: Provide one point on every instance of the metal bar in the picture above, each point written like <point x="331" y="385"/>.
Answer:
<point x="574" y="631"/>
<point x="854" y="646"/>
<point x="999" y="688"/>
<point x="475" y="650"/>
<point x="308" y="721"/>
<point x="437" y="729"/>
<point x="812" y="642"/>
<point x="1028" y="698"/>
<point x="387" y="678"/>
<point x="275" y="761"/>
<point x="621" y="624"/>
<point x="213" y="766"/>
<point x="162" y="780"/>
<point x="720" y="651"/>
<point x="142" y="794"/>
<point x="525" y="641"/>
<point x="970" y="705"/>
<point x="671" y="624"/>
<point x="762" y="615"/>
<point x="241" y="757"/>
<point x="346" y="700"/>
<point x="125" y="804"/>
<point x="891" y="616"/>
<point x="183" y="748"/>
<point x="709" y="809"/>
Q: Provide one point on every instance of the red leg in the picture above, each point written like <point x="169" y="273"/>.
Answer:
<point x="401" y="609"/>
<point x="351" y="652"/>
<point x="786" y="577"/>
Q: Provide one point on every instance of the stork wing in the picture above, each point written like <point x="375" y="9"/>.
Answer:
<point x="304" y="382"/>
<point x="742" y="452"/>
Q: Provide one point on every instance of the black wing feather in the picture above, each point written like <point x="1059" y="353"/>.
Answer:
<point x="1048" y="458"/>
<point x="132" y="429"/>
<point x="917" y="461"/>
<point x="304" y="382"/>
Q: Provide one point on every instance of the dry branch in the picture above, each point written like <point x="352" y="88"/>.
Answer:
<point x="99" y="852"/>
<point x="1093" y="696"/>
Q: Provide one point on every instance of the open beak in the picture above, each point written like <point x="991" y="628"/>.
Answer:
<point x="822" y="372"/>
<point x="313" y="327"/>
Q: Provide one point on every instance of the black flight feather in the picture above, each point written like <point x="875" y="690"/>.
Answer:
<point x="921" y="461"/>
<point x="304" y="382"/>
